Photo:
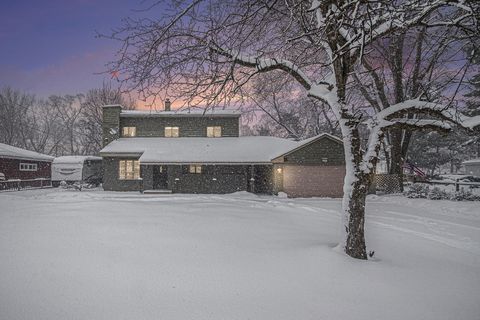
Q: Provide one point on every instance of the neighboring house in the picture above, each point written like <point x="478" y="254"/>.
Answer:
<point x="202" y="152"/>
<point x="17" y="163"/>
<point x="472" y="167"/>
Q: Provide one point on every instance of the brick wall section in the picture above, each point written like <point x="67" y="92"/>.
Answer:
<point x="154" y="126"/>
<point x="11" y="169"/>
<point x="147" y="176"/>
<point x="314" y="152"/>
<point x="205" y="183"/>
<point x="263" y="175"/>
<point x="111" y="123"/>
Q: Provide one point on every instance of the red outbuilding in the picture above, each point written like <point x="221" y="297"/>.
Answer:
<point x="17" y="163"/>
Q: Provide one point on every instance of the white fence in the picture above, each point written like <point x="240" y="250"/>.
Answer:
<point x="455" y="184"/>
<point x="17" y="184"/>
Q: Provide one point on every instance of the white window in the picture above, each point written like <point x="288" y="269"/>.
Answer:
<point x="214" y="132"/>
<point x="195" y="168"/>
<point x="129" y="131"/>
<point x="129" y="169"/>
<point x="172" y="132"/>
<point x="28" y="167"/>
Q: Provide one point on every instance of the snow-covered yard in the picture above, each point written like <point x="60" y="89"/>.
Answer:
<point x="102" y="255"/>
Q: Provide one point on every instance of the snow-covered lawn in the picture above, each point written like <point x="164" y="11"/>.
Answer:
<point x="103" y="255"/>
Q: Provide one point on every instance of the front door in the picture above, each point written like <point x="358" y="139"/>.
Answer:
<point x="160" y="177"/>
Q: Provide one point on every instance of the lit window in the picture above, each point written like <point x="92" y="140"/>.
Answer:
<point x="194" y="168"/>
<point x="129" y="169"/>
<point x="28" y="167"/>
<point x="171" y="132"/>
<point x="129" y="131"/>
<point x="214" y="132"/>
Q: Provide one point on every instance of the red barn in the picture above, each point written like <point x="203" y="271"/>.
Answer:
<point x="17" y="163"/>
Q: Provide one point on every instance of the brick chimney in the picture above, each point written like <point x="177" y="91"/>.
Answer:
<point x="167" y="104"/>
<point x="111" y="123"/>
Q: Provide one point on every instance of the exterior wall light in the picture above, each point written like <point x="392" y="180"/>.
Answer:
<point x="279" y="170"/>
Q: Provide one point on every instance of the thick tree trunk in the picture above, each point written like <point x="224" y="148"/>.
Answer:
<point x="355" y="191"/>
<point x="355" y="207"/>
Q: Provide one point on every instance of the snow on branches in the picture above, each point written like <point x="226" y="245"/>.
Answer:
<point x="444" y="113"/>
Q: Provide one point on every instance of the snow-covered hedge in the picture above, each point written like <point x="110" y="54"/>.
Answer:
<point x="423" y="191"/>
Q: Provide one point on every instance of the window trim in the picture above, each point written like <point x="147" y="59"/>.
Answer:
<point x="123" y="173"/>
<point x="170" y="131"/>
<point x="214" y="131"/>
<point x="129" y="132"/>
<point x="25" y="166"/>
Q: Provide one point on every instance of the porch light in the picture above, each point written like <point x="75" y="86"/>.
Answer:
<point x="279" y="170"/>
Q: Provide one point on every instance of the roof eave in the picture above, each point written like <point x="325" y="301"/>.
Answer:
<point x="178" y="115"/>
<point x="206" y="162"/>
<point x="25" y="158"/>
<point x="120" y="154"/>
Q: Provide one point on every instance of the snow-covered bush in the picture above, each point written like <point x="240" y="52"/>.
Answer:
<point x="423" y="191"/>
<point x="463" y="195"/>
<point x="438" y="194"/>
<point x="417" y="191"/>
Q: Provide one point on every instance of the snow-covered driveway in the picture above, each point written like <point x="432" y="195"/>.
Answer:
<point x="104" y="255"/>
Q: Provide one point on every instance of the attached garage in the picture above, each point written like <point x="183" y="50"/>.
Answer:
<point x="314" y="169"/>
<point x="313" y="181"/>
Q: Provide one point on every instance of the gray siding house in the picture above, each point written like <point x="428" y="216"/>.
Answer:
<point x="202" y="152"/>
<point x="472" y="167"/>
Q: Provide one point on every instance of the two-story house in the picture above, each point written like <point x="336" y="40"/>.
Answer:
<point x="202" y="152"/>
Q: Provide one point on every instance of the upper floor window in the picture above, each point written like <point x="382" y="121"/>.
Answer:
<point x="28" y="167"/>
<point x="172" y="132"/>
<point x="195" y="168"/>
<point x="129" y="131"/>
<point x="129" y="169"/>
<point x="214" y="132"/>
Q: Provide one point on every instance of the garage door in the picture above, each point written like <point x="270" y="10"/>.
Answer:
<point x="313" y="181"/>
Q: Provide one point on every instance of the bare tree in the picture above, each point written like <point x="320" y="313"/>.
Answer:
<point x="405" y="65"/>
<point x="210" y="50"/>
<point x="286" y="109"/>
<point x="14" y="109"/>
<point x="43" y="131"/>
<point x="68" y="108"/>
<point x="91" y="114"/>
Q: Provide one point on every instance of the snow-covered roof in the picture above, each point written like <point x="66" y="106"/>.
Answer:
<point x="74" y="159"/>
<point x="246" y="149"/>
<point x="473" y="161"/>
<point x="181" y="113"/>
<point x="255" y="149"/>
<point x="7" y="151"/>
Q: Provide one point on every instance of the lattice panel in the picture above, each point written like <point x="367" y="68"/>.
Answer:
<point x="388" y="183"/>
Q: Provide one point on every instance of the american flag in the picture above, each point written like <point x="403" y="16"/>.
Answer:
<point x="413" y="168"/>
